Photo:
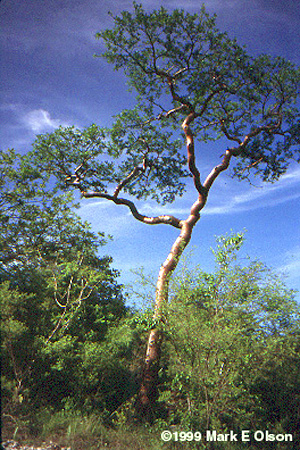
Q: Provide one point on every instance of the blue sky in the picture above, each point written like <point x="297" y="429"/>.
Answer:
<point x="50" y="78"/>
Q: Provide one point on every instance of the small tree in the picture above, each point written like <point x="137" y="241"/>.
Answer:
<point x="188" y="77"/>
<point x="59" y="300"/>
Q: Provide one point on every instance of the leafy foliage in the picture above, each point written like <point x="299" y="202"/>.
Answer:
<point x="236" y="337"/>
<point x="65" y="342"/>
<point x="36" y="219"/>
<point x="100" y="159"/>
<point x="180" y="64"/>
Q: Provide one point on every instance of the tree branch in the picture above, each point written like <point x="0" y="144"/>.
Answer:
<point x="164" y="219"/>
<point x="191" y="153"/>
<point x="136" y="171"/>
<point x="235" y="151"/>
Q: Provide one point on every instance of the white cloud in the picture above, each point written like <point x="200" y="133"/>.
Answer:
<point x="100" y="203"/>
<point x="108" y="217"/>
<point x="159" y="210"/>
<point x="40" y="120"/>
<point x="266" y="195"/>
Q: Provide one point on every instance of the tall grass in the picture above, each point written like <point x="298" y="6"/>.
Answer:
<point x="80" y="432"/>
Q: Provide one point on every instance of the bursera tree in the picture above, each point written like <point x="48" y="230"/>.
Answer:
<point x="193" y="84"/>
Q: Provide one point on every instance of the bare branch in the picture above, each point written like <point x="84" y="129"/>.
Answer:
<point x="218" y="169"/>
<point x="235" y="151"/>
<point x="171" y="112"/>
<point x="252" y="165"/>
<point x="206" y="102"/>
<point x="164" y="219"/>
<point x="136" y="171"/>
<point x="180" y="71"/>
<point x="229" y="136"/>
<point x="175" y="96"/>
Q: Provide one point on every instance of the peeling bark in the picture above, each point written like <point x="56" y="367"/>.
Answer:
<point x="148" y="393"/>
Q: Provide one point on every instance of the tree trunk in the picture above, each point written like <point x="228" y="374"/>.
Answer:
<point x="148" y="393"/>
<point x="149" y="386"/>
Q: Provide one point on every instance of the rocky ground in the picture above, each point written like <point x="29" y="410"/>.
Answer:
<point x="14" y="445"/>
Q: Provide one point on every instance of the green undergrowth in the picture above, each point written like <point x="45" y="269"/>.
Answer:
<point x="79" y="432"/>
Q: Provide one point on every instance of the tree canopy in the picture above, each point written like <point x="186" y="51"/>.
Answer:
<point x="186" y="72"/>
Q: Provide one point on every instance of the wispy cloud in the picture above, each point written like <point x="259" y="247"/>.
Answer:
<point x="158" y="210"/>
<point x="260" y="197"/>
<point x="40" y="120"/>
<point x="292" y="265"/>
<point x="286" y="189"/>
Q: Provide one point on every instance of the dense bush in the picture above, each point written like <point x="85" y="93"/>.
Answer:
<point x="233" y="357"/>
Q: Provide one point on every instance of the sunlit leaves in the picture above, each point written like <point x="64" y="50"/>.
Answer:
<point x="56" y="292"/>
<point x="238" y="326"/>
<point x="68" y="149"/>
